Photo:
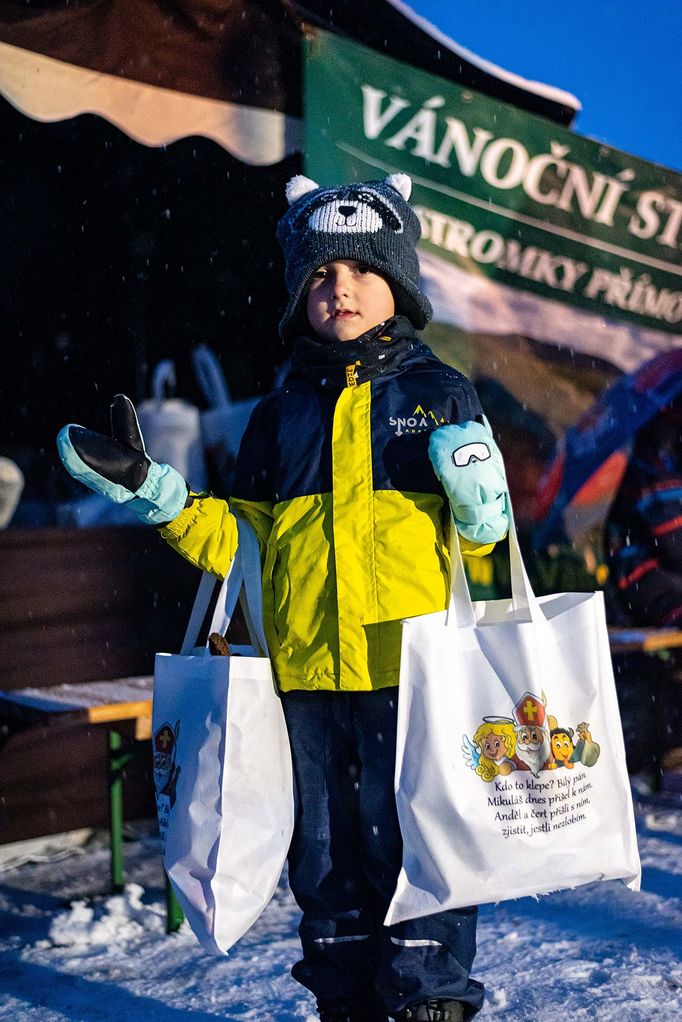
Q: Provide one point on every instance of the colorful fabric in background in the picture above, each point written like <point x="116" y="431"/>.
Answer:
<point x="585" y="474"/>
<point x="644" y="527"/>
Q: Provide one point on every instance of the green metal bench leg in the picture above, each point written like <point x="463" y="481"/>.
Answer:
<point x="174" y="914"/>
<point x="117" y="761"/>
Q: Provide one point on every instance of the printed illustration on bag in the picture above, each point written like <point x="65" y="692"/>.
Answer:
<point x="535" y="767"/>
<point x="530" y="740"/>
<point x="166" y="772"/>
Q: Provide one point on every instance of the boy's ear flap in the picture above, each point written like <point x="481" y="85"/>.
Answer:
<point x="402" y="184"/>
<point x="298" y="186"/>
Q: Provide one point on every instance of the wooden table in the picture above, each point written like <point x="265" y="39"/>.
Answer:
<point x="107" y="703"/>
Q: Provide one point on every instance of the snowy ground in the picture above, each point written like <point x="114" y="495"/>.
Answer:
<point x="69" y="952"/>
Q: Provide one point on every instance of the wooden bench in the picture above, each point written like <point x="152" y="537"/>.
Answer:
<point x="124" y="708"/>
<point x="106" y="703"/>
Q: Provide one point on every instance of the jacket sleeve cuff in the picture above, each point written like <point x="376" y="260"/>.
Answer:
<point x="162" y="496"/>
<point x="486" y="523"/>
<point x="470" y="549"/>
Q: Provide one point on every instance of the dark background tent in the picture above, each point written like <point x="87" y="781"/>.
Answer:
<point x="145" y="149"/>
<point x="117" y="254"/>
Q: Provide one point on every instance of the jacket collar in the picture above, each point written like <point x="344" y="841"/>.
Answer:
<point x="340" y="364"/>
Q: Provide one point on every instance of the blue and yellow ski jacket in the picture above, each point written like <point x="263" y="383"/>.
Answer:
<point x="333" y="474"/>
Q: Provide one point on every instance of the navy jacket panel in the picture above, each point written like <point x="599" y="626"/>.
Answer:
<point x="405" y="410"/>
<point x="287" y="448"/>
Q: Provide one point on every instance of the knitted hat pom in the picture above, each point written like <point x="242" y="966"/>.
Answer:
<point x="298" y="186"/>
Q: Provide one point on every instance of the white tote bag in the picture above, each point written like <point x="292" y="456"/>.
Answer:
<point x="224" y="422"/>
<point x="222" y="767"/>
<point x="171" y="428"/>
<point x="510" y="772"/>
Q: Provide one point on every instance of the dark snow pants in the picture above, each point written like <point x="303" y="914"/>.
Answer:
<point x="345" y="858"/>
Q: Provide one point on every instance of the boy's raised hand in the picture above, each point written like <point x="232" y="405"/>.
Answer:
<point x="469" y="464"/>
<point x="118" y="467"/>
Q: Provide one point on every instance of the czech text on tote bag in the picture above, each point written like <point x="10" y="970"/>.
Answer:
<point x="510" y="773"/>
<point x="222" y="768"/>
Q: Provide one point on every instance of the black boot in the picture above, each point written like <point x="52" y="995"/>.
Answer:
<point x="433" y="1010"/>
<point x="344" y="1013"/>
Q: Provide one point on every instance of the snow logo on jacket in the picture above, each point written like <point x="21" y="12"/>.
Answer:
<point x="418" y="421"/>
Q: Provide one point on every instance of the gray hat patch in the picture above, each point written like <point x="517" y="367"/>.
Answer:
<point x="359" y="212"/>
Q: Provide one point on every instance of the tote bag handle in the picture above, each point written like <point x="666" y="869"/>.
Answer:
<point x="245" y="571"/>
<point x="252" y="581"/>
<point x="524" y="602"/>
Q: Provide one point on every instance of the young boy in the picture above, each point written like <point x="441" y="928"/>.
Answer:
<point x="336" y="475"/>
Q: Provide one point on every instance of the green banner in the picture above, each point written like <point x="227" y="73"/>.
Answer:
<point x="501" y="193"/>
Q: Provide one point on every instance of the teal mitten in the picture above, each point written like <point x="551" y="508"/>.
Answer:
<point x="469" y="465"/>
<point x="118" y="467"/>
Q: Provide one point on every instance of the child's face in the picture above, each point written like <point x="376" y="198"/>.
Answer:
<point x="346" y="298"/>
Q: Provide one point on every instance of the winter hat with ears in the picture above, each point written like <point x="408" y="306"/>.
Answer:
<point x="371" y="222"/>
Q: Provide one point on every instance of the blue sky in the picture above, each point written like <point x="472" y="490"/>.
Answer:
<point x="621" y="58"/>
